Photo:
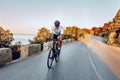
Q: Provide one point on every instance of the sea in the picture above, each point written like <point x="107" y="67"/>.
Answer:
<point x="23" y="38"/>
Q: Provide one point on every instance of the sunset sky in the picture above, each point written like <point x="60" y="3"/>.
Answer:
<point x="26" y="16"/>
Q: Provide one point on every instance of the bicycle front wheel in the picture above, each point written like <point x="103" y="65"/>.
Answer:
<point x="50" y="58"/>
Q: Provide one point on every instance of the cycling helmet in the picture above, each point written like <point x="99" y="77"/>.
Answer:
<point x="57" y="23"/>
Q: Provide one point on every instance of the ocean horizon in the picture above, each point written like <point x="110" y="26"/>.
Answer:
<point x="23" y="38"/>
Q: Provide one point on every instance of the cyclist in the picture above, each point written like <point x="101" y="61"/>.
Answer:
<point x="56" y="30"/>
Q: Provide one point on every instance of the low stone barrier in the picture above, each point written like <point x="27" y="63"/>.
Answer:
<point x="26" y="50"/>
<point x="5" y="56"/>
<point x="47" y="45"/>
<point x="30" y="49"/>
<point x="64" y="41"/>
<point x="67" y="41"/>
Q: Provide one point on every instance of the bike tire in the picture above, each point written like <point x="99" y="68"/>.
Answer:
<point x="50" y="58"/>
<point x="57" y="55"/>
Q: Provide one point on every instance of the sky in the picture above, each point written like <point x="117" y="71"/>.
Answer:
<point x="27" y="16"/>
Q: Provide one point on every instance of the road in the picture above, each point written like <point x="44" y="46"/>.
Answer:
<point x="109" y="54"/>
<point x="77" y="62"/>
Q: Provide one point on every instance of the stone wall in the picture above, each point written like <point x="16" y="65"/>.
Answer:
<point x="5" y="55"/>
<point x="26" y="51"/>
<point x="30" y="49"/>
<point x="67" y="41"/>
<point x="47" y="46"/>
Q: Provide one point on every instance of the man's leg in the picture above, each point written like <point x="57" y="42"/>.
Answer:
<point x="59" y="42"/>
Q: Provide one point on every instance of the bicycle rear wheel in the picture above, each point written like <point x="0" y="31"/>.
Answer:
<point x="57" y="55"/>
<point x="50" y="58"/>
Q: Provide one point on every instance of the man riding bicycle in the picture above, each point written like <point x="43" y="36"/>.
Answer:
<point x="56" y="30"/>
<point x="54" y="52"/>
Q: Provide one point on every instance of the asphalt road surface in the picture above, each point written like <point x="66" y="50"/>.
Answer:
<point x="77" y="62"/>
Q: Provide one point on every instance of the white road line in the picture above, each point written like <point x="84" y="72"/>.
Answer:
<point x="93" y="65"/>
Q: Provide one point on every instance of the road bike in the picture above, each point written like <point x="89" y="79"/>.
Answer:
<point x="54" y="53"/>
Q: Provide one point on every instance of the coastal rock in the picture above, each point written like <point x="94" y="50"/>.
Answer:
<point x="112" y="40"/>
<point x="115" y="24"/>
<point x="118" y="39"/>
<point x="30" y="49"/>
<point x="118" y="14"/>
<point x="5" y="55"/>
<point x="116" y="21"/>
